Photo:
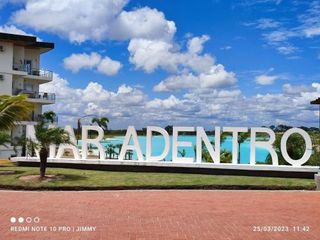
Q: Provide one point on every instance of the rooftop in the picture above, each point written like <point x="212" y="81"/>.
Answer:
<point x="27" y="41"/>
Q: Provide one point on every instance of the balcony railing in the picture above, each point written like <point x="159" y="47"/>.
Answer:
<point x="33" y="72"/>
<point x="35" y="95"/>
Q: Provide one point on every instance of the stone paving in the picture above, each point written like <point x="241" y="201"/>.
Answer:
<point x="160" y="215"/>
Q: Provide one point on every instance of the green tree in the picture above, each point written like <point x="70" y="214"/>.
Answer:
<point x="225" y="156"/>
<point x="102" y="122"/>
<point x="45" y="137"/>
<point x="49" y="116"/>
<point x="110" y="151"/>
<point x="242" y="137"/>
<point x="295" y="148"/>
<point x="169" y="129"/>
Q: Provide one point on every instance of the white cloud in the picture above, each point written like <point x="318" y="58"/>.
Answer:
<point x="124" y="89"/>
<point x="215" y="78"/>
<point x="105" y="65"/>
<point x="226" y="48"/>
<point x="290" y="89"/>
<point x="191" y="69"/>
<point x="203" y="107"/>
<point x="304" y="25"/>
<point x="286" y="50"/>
<point x="263" y="23"/>
<point x="95" y="20"/>
<point x="195" y="45"/>
<point x="76" y="62"/>
<point x="266" y="79"/>
<point x="150" y="55"/>
<point x="12" y="29"/>
<point x="312" y="31"/>
<point x="142" y="23"/>
<point x="310" y="21"/>
<point x="169" y="103"/>
<point x="109" y="67"/>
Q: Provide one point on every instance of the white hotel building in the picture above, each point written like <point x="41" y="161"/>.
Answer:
<point x="20" y="72"/>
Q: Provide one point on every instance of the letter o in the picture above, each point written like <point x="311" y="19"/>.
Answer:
<point x="307" y="152"/>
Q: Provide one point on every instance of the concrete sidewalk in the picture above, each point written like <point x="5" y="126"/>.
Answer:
<point x="160" y="215"/>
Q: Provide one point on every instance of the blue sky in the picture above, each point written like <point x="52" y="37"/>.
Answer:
<point x="211" y="62"/>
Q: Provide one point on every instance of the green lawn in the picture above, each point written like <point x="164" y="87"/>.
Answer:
<point x="89" y="179"/>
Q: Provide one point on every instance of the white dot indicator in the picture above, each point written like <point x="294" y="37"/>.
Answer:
<point x="28" y="219"/>
<point x="36" y="219"/>
<point x="21" y="219"/>
<point x="13" y="220"/>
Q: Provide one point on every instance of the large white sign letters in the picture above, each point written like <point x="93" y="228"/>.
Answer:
<point x="131" y="142"/>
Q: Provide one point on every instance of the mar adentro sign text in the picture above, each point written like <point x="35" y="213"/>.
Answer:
<point x="131" y="142"/>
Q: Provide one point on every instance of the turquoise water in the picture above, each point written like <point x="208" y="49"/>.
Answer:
<point x="158" y="146"/>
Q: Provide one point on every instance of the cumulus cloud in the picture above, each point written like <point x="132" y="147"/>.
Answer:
<point x="190" y="68"/>
<point x="104" y="65"/>
<point x="96" y="20"/>
<point x="266" y="79"/>
<point x="215" y="78"/>
<point x="109" y="67"/>
<point x="142" y="23"/>
<point x="195" y="45"/>
<point x="150" y="55"/>
<point x="296" y="89"/>
<point x="203" y="107"/>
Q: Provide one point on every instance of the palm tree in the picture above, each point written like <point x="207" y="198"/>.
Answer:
<point x="225" y="156"/>
<point x="45" y="137"/>
<point x="110" y="151"/>
<point x="102" y="122"/>
<point x="12" y="110"/>
<point x="49" y="116"/>
<point x="4" y="139"/>
<point x="182" y="153"/>
<point x="129" y="154"/>
<point x="242" y="137"/>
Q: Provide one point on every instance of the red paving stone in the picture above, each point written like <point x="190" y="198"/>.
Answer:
<point x="162" y="214"/>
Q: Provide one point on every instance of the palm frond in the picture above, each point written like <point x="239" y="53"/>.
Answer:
<point x="13" y="109"/>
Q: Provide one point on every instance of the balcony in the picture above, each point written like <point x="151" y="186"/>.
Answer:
<point x="33" y="73"/>
<point x="38" y="97"/>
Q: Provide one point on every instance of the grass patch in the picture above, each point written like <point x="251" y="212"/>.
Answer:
<point x="75" y="179"/>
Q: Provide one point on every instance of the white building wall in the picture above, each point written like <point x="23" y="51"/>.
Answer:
<point x="18" y="56"/>
<point x="17" y="83"/>
<point x="34" y="56"/>
<point x="6" y="57"/>
<point x="6" y="84"/>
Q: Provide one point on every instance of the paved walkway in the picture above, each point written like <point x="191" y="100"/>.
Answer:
<point x="160" y="215"/>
